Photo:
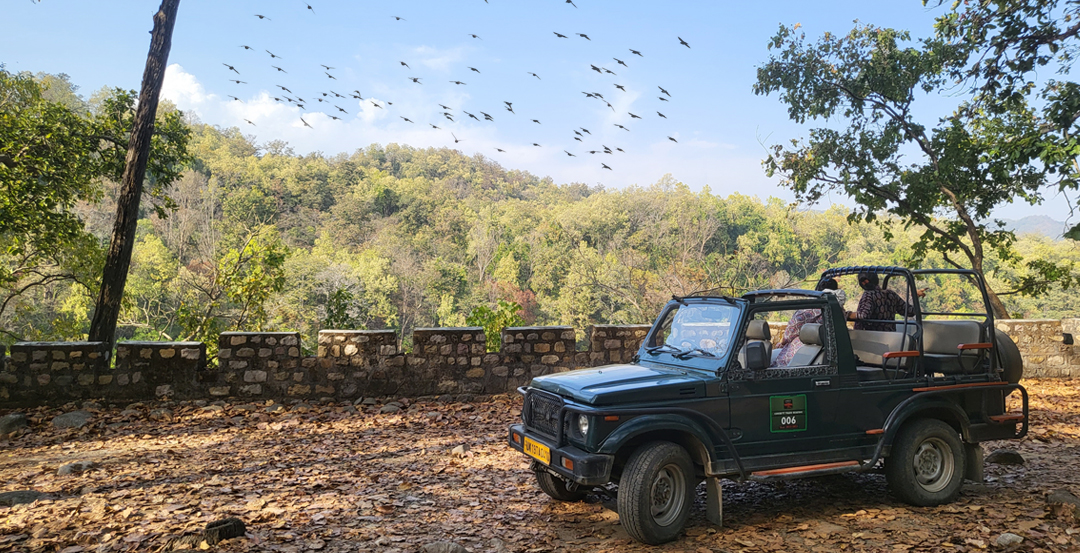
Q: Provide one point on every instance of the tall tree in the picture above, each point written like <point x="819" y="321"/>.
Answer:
<point x="118" y="259"/>
<point x="945" y="175"/>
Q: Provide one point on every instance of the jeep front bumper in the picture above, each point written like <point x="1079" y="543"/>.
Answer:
<point x="579" y="466"/>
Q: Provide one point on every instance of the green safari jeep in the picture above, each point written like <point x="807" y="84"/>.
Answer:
<point x="708" y="397"/>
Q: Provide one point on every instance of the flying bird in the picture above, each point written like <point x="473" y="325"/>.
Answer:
<point x="331" y="76"/>
<point x="534" y="75"/>
<point x="448" y="116"/>
<point x="457" y="82"/>
<point x="336" y="94"/>
<point x="662" y="99"/>
<point x="406" y="119"/>
<point x="341" y="110"/>
<point x="245" y="47"/>
<point x="272" y="55"/>
<point x="335" y="118"/>
<point x="474" y="36"/>
<point x="661" y="115"/>
<point x="571" y="2"/>
<point x="231" y="68"/>
<point x="396" y="18"/>
<point x="486" y="116"/>
<point x="620" y="87"/>
<point x="326" y="67"/>
<point x="309" y="7"/>
<point x="621" y="62"/>
<point x="536" y="121"/>
<point x="537" y="145"/>
<point x="579" y="139"/>
<point x="416" y="80"/>
<point x="577" y="133"/>
<point x="470" y="115"/>
<point x="673" y="140"/>
<point x="237" y="99"/>
<point x="621" y="150"/>
<point x="593" y="152"/>
<point x="560" y="36"/>
<point x="405" y="64"/>
<point x="279" y="69"/>
<point x="586" y="131"/>
<point x="475" y="69"/>
<point x="608" y="71"/>
<point x="584" y="36"/>
<point x="237" y="82"/>
<point x="683" y="42"/>
<point x="456" y="139"/>
<point x="569" y="154"/>
<point x="250" y="123"/>
<point x="632" y="116"/>
<point x="306" y="123"/>
<point x="444" y="107"/>
<point x="263" y="17"/>
<point x="664" y="91"/>
<point x="498" y="149"/>
<point x="508" y="104"/>
<point x="635" y="52"/>
<point x="597" y="69"/>
<point x="605" y="166"/>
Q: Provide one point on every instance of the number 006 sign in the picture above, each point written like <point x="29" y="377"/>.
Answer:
<point x="788" y="413"/>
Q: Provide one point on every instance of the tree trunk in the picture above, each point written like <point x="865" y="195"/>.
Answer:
<point x="118" y="259"/>
<point x="995" y="303"/>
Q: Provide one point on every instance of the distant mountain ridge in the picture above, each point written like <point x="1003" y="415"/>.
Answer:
<point x="1037" y="224"/>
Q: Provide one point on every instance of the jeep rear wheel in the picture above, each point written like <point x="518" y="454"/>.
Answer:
<point x="926" y="465"/>
<point x="555" y="487"/>
<point x="656" y="492"/>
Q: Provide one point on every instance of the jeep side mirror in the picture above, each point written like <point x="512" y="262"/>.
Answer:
<point x="757" y="357"/>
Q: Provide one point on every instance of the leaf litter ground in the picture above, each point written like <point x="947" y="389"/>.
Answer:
<point x="329" y="477"/>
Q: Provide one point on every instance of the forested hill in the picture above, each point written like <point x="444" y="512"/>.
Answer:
<point x="398" y="237"/>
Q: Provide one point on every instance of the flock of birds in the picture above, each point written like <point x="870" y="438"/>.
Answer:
<point x="331" y="98"/>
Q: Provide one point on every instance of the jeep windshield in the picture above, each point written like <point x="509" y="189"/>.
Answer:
<point x="694" y="329"/>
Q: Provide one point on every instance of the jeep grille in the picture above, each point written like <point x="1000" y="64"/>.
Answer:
<point x="541" y="413"/>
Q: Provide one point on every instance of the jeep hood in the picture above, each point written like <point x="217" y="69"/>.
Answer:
<point x="613" y="384"/>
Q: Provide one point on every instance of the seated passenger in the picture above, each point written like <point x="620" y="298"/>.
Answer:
<point x="790" y="343"/>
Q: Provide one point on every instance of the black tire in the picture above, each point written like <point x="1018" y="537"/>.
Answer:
<point x="926" y="465"/>
<point x="1009" y="358"/>
<point x="555" y="487"/>
<point x="656" y="492"/>
<point x="224" y="529"/>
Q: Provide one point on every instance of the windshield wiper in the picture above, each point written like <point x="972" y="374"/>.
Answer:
<point x="686" y="354"/>
<point x="664" y="348"/>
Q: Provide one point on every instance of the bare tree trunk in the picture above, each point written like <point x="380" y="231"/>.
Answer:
<point x="118" y="259"/>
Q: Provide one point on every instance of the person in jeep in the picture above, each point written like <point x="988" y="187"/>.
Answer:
<point x="877" y="304"/>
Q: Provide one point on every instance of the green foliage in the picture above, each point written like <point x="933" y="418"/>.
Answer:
<point x="506" y="314"/>
<point x="944" y="176"/>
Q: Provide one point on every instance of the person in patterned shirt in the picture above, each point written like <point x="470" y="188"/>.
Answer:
<point x="877" y="303"/>
<point x="790" y="343"/>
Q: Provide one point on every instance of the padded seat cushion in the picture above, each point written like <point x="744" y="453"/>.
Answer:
<point x="810" y="353"/>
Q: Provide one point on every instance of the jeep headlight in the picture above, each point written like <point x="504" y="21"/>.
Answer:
<point x="583" y="425"/>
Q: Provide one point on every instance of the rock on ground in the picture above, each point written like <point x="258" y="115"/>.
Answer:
<point x="1008" y="539"/>
<point x="443" y="547"/>
<point x="74" y="468"/>
<point x="1005" y="457"/>
<point x="10" y="499"/>
<point x="11" y="423"/>
<point x="74" y="419"/>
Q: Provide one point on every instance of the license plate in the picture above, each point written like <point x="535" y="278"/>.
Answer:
<point x="537" y="451"/>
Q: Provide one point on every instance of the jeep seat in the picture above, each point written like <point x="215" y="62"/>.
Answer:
<point x="812" y="337"/>
<point x="870" y="345"/>
<point x="757" y="331"/>
<point x="942" y="341"/>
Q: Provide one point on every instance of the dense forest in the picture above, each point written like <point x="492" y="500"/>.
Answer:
<point x="256" y="236"/>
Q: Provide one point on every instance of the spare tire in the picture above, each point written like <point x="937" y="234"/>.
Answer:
<point x="1009" y="358"/>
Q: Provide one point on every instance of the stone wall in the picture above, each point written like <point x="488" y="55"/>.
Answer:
<point x="1043" y="346"/>
<point x="350" y="364"/>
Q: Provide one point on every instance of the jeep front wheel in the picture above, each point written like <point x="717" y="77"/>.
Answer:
<point x="555" y="487"/>
<point x="926" y="465"/>
<point x="656" y="492"/>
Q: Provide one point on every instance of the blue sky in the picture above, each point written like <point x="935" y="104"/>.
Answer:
<point x="721" y="127"/>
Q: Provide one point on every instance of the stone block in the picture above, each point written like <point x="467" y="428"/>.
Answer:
<point x="105" y="379"/>
<point x="446" y="350"/>
<point x="163" y="390"/>
<point x="328" y="390"/>
<point x="19" y="357"/>
<point x="335" y="376"/>
<point x="542" y="348"/>
<point x="86" y="379"/>
<point x="612" y="344"/>
<point x="475" y="361"/>
<point x="237" y="340"/>
<point x="265" y="352"/>
<point x="387" y="350"/>
<point x="43" y="379"/>
<point x="251" y="390"/>
<point x="224" y="353"/>
<point x="351" y="349"/>
<point x="299" y="390"/>
<point x="549" y="359"/>
<point x="416" y="361"/>
<point x="58" y="355"/>
<point x="60" y="365"/>
<point x="39" y="355"/>
<point x="123" y="379"/>
<point x="75" y="354"/>
<point x="255" y="376"/>
<point x="500" y="371"/>
<point x="219" y="391"/>
<point x="560" y="347"/>
<point x="547" y="336"/>
<point x="245" y="352"/>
